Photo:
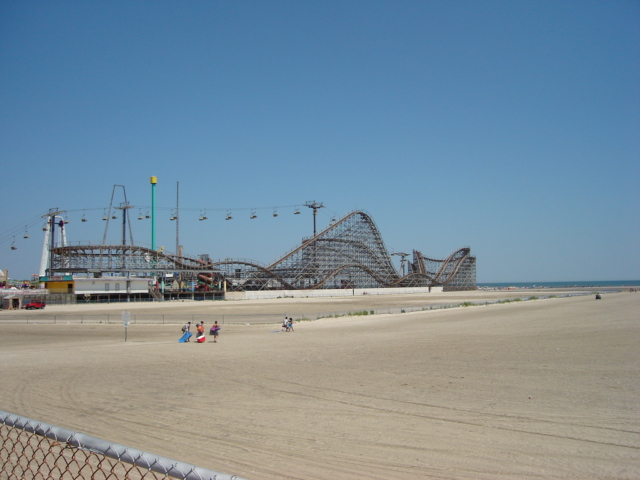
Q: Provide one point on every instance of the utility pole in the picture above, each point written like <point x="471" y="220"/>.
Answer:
<point x="315" y="206"/>
<point x="178" y="252"/>
<point x="50" y="242"/>
<point x="124" y="206"/>
<point x="154" y="181"/>
<point x="177" y="218"/>
<point x="403" y="260"/>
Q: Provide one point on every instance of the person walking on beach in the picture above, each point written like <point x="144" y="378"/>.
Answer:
<point x="187" y="328"/>
<point x="290" y="325"/>
<point x="215" y="329"/>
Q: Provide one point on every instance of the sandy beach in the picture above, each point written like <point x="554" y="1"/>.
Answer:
<point x="524" y="390"/>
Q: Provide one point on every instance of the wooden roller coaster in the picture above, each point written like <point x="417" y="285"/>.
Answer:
<point x="350" y="253"/>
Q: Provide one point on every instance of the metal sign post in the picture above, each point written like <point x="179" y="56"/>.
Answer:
<point x="125" y="321"/>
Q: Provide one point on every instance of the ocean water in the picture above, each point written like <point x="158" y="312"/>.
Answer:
<point x="591" y="283"/>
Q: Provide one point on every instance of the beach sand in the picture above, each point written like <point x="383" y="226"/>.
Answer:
<point x="525" y="390"/>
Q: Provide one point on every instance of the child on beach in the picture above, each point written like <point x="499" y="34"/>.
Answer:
<point x="215" y="329"/>
<point x="200" y="327"/>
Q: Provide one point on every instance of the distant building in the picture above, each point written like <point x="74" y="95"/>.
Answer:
<point x="98" y="286"/>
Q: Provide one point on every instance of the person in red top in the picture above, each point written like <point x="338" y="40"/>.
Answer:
<point x="200" y="327"/>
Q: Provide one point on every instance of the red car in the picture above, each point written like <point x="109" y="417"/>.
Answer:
<point x="34" y="305"/>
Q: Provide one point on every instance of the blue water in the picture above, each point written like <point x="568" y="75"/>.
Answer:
<point x="593" y="283"/>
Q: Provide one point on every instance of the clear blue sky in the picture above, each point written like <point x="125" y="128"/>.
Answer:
<point x="512" y="127"/>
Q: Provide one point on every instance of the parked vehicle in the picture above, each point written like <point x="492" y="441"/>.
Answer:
<point x="34" y="305"/>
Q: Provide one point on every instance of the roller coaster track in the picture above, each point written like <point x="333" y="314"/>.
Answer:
<point x="448" y="268"/>
<point x="350" y="253"/>
<point x="118" y="258"/>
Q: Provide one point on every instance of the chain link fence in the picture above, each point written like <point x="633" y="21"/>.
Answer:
<point x="34" y="450"/>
